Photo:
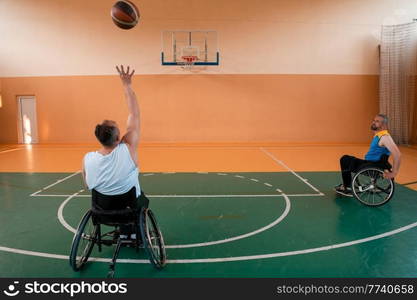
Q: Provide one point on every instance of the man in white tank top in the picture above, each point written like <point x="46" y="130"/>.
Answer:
<point x="113" y="169"/>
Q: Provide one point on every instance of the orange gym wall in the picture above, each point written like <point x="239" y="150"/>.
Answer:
<point x="202" y="108"/>
<point x="291" y="70"/>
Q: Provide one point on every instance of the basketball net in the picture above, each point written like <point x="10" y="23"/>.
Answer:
<point x="188" y="62"/>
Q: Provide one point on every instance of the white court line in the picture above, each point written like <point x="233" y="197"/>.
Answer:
<point x="61" y="209"/>
<point x="204" y="244"/>
<point x="199" y="196"/>
<point x="285" y="166"/>
<point x="212" y="260"/>
<point x="51" y="185"/>
<point x="10" y="150"/>
<point x="36" y="194"/>
<point x="214" y="196"/>
<point x="58" y="256"/>
<point x="278" y="220"/>
<point x="33" y="253"/>
<point x="296" y="252"/>
<point x="225" y="259"/>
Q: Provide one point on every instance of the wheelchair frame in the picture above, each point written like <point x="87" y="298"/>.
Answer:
<point x="369" y="185"/>
<point x="89" y="233"/>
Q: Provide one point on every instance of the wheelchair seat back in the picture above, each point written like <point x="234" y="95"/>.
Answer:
<point x="114" y="209"/>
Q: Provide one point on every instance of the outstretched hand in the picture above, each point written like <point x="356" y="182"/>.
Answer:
<point x="125" y="76"/>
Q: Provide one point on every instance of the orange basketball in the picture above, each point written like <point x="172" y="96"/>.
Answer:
<point x="125" y="14"/>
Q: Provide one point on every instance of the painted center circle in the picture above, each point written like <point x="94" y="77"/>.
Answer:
<point x="197" y="220"/>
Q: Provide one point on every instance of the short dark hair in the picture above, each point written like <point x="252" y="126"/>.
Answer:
<point x="106" y="133"/>
<point x="384" y="118"/>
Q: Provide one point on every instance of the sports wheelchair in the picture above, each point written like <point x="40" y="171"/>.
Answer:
<point x="369" y="185"/>
<point x="132" y="224"/>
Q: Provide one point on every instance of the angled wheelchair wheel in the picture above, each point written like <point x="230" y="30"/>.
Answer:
<point x="152" y="238"/>
<point x="83" y="242"/>
<point x="371" y="188"/>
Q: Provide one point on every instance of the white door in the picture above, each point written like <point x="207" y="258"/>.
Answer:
<point x="27" y="120"/>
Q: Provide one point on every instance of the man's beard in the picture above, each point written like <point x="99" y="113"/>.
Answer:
<point x="373" y="127"/>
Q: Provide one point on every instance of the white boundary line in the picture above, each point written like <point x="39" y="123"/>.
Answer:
<point x="199" y="196"/>
<point x="296" y="252"/>
<point x="226" y="259"/>
<point x="211" y="260"/>
<point x="61" y="215"/>
<point x="56" y="182"/>
<point x="10" y="150"/>
<point x="278" y="220"/>
<point x="286" y="167"/>
<point x="204" y="244"/>
<point x="35" y="194"/>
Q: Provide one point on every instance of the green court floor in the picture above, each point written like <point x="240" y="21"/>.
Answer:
<point x="217" y="225"/>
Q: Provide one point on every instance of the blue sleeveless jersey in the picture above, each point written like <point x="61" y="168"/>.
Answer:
<point x="375" y="151"/>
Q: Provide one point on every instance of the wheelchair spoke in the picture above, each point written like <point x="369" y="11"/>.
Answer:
<point x="83" y="242"/>
<point x="144" y="232"/>
<point x="384" y="190"/>
<point x="369" y="195"/>
<point x="153" y="239"/>
<point x="372" y="198"/>
<point x="371" y="188"/>
<point x="380" y="197"/>
<point x="86" y="239"/>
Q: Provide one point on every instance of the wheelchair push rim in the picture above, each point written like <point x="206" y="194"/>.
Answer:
<point x="153" y="239"/>
<point x="83" y="242"/>
<point x="371" y="188"/>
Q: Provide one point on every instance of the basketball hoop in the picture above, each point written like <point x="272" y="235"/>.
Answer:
<point x="188" y="61"/>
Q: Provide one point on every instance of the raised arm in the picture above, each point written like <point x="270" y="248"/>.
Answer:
<point x="389" y="143"/>
<point x="131" y="138"/>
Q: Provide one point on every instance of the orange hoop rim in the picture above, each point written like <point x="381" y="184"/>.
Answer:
<point x="189" y="58"/>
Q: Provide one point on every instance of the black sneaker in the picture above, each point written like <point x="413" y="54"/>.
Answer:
<point x="342" y="190"/>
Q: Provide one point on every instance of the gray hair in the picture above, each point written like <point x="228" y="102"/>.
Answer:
<point x="384" y="118"/>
